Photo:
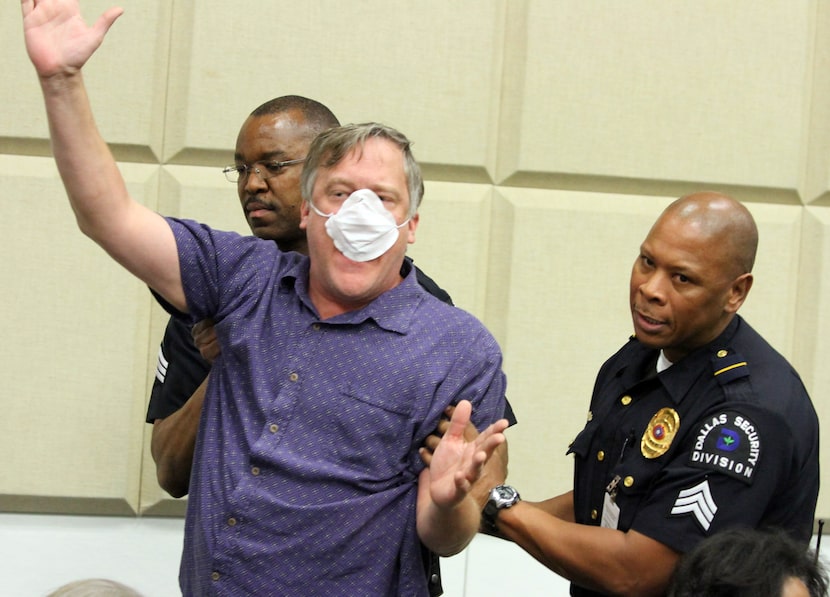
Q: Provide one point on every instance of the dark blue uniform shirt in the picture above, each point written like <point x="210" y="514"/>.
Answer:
<point x="725" y="437"/>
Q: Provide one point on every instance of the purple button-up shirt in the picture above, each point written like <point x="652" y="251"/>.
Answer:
<point x="305" y="474"/>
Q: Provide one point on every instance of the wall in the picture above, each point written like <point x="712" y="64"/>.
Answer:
<point x="551" y="135"/>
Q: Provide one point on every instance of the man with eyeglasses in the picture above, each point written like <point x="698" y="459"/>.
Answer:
<point x="334" y="367"/>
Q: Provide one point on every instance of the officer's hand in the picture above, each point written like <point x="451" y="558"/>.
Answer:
<point x="204" y="336"/>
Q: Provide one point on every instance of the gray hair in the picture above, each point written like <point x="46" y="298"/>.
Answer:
<point x="331" y="146"/>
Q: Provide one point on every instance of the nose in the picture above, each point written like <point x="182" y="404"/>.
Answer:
<point x="253" y="181"/>
<point x="653" y="286"/>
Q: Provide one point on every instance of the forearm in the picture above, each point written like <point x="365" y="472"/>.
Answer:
<point x="136" y="237"/>
<point x="173" y="443"/>
<point x="88" y="170"/>
<point x="445" y="530"/>
<point x="606" y="560"/>
<point x="561" y="506"/>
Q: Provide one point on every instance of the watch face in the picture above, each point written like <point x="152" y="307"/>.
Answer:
<point x="505" y="492"/>
<point x="504" y="495"/>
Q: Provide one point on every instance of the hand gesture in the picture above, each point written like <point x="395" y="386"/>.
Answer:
<point x="57" y="38"/>
<point x="457" y="462"/>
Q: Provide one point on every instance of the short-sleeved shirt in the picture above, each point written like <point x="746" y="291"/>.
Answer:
<point x="306" y="467"/>
<point x="725" y="437"/>
<point x="180" y="368"/>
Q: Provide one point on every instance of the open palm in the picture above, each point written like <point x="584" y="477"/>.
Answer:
<point x="57" y="38"/>
<point x="457" y="463"/>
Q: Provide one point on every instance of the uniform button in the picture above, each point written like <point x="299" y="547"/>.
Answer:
<point x="316" y="327"/>
<point x="594" y="514"/>
<point x="628" y="481"/>
<point x="626" y="400"/>
<point x="600" y="455"/>
<point x="434" y="579"/>
<point x="231" y="522"/>
<point x="722" y="353"/>
<point x="214" y="575"/>
<point x="273" y="427"/>
<point x="255" y="470"/>
<point x="590" y="416"/>
<point x="293" y="377"/>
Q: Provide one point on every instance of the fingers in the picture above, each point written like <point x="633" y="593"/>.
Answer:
<point x="460" y="419"/>
<point x="105" y="21"/>
<point x="426" y="451"/>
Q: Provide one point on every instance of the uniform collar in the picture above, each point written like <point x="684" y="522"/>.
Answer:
<point x="681" y="376"/>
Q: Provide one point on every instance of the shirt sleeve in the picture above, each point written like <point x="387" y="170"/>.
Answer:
<point x="730" y="472"/>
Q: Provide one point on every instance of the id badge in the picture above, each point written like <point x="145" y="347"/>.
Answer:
<point x="610" y="513"/>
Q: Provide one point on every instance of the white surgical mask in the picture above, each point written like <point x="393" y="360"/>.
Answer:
<point x="362" y="229"/>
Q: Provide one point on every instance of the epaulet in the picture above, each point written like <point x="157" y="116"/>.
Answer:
<point x="728" y="366"/>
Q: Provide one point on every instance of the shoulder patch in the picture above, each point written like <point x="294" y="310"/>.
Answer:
<point x="729" y="443"/>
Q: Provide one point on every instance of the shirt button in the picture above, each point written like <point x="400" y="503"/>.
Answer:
<point x="594" y="514"/>
<point x="214" y="575"/>
<point x="274" y="427"/>
<point x="293" y="377"/>
<point x="626" y="400"/>
<point x="628" y="481"/>
<point x="434" y="579"/>
<point x="316" y="327"/>
<point x="600" y="455"/>
<point x="255" y="470"/>
<point x="231" y="522"/>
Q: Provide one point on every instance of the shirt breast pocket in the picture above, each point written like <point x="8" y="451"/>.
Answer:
<point x="636" y="476"/>
<point x="374" y="431"/>
<point x="582" y="442"/>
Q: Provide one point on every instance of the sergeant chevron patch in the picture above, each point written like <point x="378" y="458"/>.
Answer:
<point x="698" y="502"/>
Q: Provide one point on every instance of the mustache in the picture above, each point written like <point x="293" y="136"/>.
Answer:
<point x="254" y="203"/>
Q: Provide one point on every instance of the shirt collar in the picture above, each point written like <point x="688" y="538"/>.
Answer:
<point x="393" y="310"/>
<point x="681" y="376"/>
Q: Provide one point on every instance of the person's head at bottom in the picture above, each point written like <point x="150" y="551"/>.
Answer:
<point x="749" y="563"/>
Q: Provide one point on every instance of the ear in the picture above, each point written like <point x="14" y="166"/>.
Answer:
<point x="304" y="210"/>
<point x="738" y="292"/>
<point x="411" y="227"/>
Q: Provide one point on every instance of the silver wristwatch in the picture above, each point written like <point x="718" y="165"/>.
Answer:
<point x="501" y="497"/>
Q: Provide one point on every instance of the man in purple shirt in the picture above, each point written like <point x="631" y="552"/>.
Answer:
<point x="334" y="367"/>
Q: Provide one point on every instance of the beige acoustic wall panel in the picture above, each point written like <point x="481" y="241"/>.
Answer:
<point x="569" y="256"/>
<point x="771" y="305"/>
<point x="811" y="350"/>
<point x="74" y="352"/>
<point x="430" y="69"/>
<point x="658" y="97"/>
<point x="126" y="80"/>
<point x="202" y="194"/>
<point x="453" y="239"/>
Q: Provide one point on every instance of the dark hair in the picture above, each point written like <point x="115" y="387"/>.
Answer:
<point x="747" y="563"/>
<point x="318" y="117"/>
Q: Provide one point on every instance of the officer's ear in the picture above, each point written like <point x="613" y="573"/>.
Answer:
<point x="738" y="291"/>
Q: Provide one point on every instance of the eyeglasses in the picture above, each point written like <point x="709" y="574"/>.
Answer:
<point x="263" y="169"/>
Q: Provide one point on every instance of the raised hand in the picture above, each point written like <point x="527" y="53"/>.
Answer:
<point x="57" y="38"/>
<point x="457" y="462"/>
